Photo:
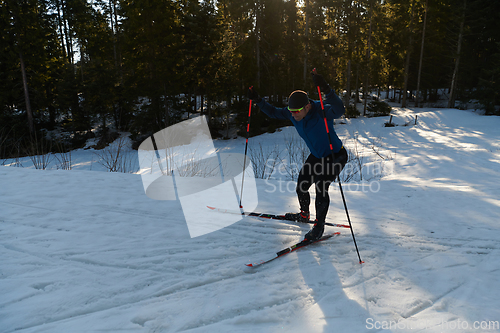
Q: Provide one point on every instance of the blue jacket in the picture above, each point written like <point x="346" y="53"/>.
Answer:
<point x="312" y="127"/>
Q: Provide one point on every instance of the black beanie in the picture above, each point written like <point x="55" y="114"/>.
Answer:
<point x="297" y="99"/>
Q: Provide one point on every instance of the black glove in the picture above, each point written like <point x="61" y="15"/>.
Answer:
<point x="253" y="95"/>
<point x="320" y="82"/>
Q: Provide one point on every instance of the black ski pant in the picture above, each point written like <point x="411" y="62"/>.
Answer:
<point x="321" y="172"/>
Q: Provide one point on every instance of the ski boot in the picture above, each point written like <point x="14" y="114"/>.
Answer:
<point x="303" y="216"/>
<point x="316" y="232"/>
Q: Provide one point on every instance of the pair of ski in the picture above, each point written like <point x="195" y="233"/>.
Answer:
<point x="287" y="250"/>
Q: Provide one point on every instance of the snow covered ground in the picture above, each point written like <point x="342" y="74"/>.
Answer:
<point x="85" y="251"/>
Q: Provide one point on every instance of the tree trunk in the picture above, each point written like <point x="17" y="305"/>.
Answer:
<point x="167" y="110"/>
<point x="202" y="102"/>
<point x="349" y="56"/>
<point x="366" y="83"/>
<point x="113" y="33"/>
<point x="257" y="38"/>
<point x="451" y="100"/>
<point x="26" y="95"/>
<point x="347" y="98"/>
<point x="60" y="24"/>
<point x="408" y="53"/>
<point x="69" y="40"/>
<point x="356" y="98"/>
<point x="306" y="45"/>
<point x="421" y="55"/>
<point x="209" y="108"/>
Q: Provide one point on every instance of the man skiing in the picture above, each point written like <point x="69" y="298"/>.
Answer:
<point x="321" y="167"/>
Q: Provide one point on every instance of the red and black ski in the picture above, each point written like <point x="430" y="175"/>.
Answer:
<point x="270" y="216"/>
<point x="292" y="248"/>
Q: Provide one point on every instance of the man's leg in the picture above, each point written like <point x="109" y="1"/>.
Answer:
<point x="331" y="170"/>
<point x="322" y="199"/>
<point x="304" y="182"/>
<point x="322" y="202"/>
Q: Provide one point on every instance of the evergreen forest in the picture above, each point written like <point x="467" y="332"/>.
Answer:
<point x="81" y="68"/>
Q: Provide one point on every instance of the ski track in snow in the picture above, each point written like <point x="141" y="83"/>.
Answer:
<point x="88" y="251"/>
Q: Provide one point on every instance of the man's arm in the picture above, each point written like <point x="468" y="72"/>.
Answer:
<point x="268" y="109"/>
<point x="334" y="108"/>
<point x="274" y="112"/>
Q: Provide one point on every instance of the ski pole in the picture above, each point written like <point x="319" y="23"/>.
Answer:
<point x="338" y="176"/>
<point x="246" y="147"/>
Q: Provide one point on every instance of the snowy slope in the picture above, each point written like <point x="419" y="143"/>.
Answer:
<point x="87" y="251"/>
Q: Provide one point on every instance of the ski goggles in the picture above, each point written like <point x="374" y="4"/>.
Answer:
<point x="296" y="110"/>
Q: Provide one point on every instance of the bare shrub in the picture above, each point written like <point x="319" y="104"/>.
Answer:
<point x="264" y="160"/>
<point x="357" y="167"/>
<point x="3" y="145"/>
<point x="63" y="157"/>
<point x="115" y="158"/>
<point x="353" y="169"/>
<point x="297" y="153"/>
<point x="38" y="149"/>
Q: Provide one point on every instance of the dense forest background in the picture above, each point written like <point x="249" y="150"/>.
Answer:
<point x="71" y="66"/>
